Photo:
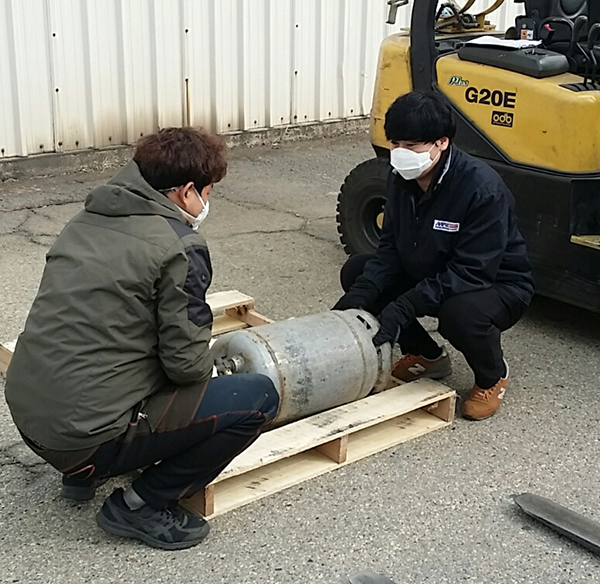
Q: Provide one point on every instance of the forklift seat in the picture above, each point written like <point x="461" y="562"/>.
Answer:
<point x="552" y="22"/>
<point x="542" y="9"/>
<point x="539" y="10"/>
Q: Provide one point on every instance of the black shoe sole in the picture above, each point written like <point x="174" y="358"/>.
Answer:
<point x="132" y="533"/>
<point x="77" y="493"/>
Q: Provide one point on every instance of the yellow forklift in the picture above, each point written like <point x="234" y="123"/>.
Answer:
<point x="531" y="110"/>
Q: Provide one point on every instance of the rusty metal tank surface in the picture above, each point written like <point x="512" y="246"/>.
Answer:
<point x="316" y="362"/>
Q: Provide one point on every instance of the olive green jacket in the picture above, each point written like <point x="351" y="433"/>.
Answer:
<point x="120" y="314"/>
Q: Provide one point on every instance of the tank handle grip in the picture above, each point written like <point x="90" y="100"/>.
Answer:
<point x="364" y="321"/>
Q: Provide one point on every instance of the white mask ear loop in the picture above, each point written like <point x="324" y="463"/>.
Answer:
<point x="196" y="221"/>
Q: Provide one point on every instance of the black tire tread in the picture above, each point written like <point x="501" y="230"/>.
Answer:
<point x="375" y="167"/>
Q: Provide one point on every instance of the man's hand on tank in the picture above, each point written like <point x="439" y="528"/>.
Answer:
<point x="395" y="317"/>
<point x="389" y="329"/>
<point x="363" y="294"/>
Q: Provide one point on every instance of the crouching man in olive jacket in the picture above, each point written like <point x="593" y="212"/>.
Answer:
<point x="113" y="370"/>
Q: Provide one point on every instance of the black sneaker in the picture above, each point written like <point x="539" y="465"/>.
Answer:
<point x="80" y="489"/>
<point x="167" y="529"/>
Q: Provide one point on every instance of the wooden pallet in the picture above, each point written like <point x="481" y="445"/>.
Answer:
<point x="286" y="456"/>
<point x="302" y="450"/>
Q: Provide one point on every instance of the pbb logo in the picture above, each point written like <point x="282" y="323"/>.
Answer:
<point x="448" y="226"/>
<point x="458" y="80"/>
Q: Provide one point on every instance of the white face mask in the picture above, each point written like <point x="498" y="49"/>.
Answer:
<point x="196" y="221"/>
<point x="409" y="164"/>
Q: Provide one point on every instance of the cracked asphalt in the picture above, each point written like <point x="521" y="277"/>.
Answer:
<point x="437" y="510"/>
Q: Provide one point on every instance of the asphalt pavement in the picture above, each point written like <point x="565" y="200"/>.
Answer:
<point x="435" y="510"/>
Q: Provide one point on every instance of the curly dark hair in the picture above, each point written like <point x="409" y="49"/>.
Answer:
<point x="175" y="156"/>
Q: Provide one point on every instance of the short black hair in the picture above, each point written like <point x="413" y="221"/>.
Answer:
<point x="419" y="116"/>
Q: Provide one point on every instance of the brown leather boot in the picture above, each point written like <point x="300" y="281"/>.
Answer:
<point x="413" y="367"/>
<point x="483" y="403"/>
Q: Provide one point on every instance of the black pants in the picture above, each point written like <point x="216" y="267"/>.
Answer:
<point x="470" y="322"/>
<point x="181" y="461"/>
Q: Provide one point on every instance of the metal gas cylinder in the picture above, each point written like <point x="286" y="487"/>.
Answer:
<point x="316" y="362"/>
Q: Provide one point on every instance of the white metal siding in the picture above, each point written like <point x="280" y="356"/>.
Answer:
<point x="94" y="73"/>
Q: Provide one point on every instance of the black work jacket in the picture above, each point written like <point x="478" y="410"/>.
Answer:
<point x="459" y="236"/>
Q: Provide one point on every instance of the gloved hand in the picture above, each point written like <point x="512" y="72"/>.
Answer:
<point x="394" y="317"/>
<point x="363" y="294"/>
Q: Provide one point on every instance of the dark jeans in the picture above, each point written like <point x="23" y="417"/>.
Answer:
<point x="181" y="461"/>
<point x="470" y="322"/>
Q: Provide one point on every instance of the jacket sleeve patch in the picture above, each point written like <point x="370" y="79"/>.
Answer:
<point x="196" y="283"/>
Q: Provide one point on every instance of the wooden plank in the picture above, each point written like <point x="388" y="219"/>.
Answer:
<point x="336" y="450"/>
<point x="6" y="352"/>
<point x="392" y="433"/>
<point x="316" y="430"/>
<point x="209" y="501"/>
<point x="269" y="480"/>
<point x="225" y="324"/>
<point x="264" y="481"/>
<point x="444" y="409"/>
<point x="249" y="316"/>
<point x="592" y="241"/>
<point x="221" y="301"/>
<point x="202" y="503"/>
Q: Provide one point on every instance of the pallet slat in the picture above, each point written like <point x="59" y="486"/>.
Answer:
<point x="238" y="318"/>
<point x="263" y="482"/>
<point x="6" y="352"/>
<point x="225" y="324"/>
<point x="391" y="433"/>
<point x="249" y="316"/>
<point x="221" y="301"/>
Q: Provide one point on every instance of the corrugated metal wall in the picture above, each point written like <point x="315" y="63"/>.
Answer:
<point x="80" y="74"/>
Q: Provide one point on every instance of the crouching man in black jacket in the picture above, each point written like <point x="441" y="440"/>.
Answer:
<point x="449" y="248"/>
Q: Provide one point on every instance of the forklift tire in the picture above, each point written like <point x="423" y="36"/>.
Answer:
<point x="360" y="206"/>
